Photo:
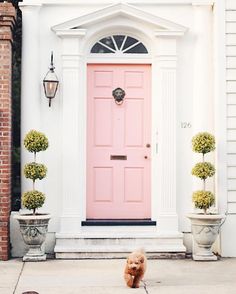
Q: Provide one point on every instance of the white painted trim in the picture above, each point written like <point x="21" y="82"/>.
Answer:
<point x="117" y="59"/>
<point x="71" y="33"/>
<point x="121" y="9"/>
<point x="170" y="33"/>
<point x="221" y="120"/>
<point x="163" y="57"/>
<point x="31" y="102"/>
<point x="105" y="2"/>
<point x="220" y="105"/>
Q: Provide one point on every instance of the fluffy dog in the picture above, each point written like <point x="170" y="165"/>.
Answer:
<point x="135" y="268"/>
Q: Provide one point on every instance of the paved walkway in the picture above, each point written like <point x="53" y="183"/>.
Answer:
<point x="106" y="277"/>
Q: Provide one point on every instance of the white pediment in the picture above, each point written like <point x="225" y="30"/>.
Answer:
<point x="79" y="25"/>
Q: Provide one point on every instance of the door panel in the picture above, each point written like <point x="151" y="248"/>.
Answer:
<point x="118" y="161"/>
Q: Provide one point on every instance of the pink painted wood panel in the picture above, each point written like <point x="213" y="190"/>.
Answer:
<point x="118" y="189"/>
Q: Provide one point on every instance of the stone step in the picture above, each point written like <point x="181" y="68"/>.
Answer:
<point x="117" y="244"/>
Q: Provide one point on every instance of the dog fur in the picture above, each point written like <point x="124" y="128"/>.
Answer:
<point x="135" y="268"/>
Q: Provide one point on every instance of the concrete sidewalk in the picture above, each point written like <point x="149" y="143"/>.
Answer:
<point x="106" y="277"/>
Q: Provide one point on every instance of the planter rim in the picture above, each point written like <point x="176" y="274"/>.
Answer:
<point x="31" y="216"/>
<point x="205" y="216"/>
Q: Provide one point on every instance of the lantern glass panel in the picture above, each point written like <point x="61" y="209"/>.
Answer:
<point x="50" y="88"/>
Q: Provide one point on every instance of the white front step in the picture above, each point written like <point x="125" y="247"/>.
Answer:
<point x="117" y="243"/>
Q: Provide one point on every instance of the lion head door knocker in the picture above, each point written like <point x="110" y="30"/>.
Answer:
<point x="119" y="95"/>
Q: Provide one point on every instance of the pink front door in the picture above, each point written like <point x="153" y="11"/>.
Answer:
<point x="118" y="141"/>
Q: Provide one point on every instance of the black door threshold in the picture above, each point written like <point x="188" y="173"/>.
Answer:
<point x="118" y="222"/>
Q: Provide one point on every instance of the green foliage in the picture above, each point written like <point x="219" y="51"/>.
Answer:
<point x="203" y="170"/>
<point x="35" y="171"/>
<point x="35" y="141"/>
<point x="203" y="143"/>
<point x="33" y="199"/>
<point x="203" y="199"/>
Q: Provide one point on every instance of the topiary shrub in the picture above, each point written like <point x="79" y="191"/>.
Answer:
<point x="203" y="199"/>
<point x="33" y="199"/>
<point x="203" y="170"/>
<point x="35" y="171"/>
<point x="34" y="142"/>
<point x="203" y="143"/>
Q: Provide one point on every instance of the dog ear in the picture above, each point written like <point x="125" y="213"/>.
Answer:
<point x="142" y="259"/>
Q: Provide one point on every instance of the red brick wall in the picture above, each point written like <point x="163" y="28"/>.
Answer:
<point x="7" y="19"/>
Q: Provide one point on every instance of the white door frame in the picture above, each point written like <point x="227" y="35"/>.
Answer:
<point x="163" y="57"/>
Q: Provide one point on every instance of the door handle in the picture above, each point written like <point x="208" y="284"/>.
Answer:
<point x="148" y="145"/>
<point x="145" y="157"/>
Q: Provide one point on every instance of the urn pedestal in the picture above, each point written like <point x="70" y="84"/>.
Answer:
<point x="34" y="229"/>
<point x="205" y="229"/>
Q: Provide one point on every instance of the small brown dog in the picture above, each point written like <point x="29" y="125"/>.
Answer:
<point x="135" y="268"/>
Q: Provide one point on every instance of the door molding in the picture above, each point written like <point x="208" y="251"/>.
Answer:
<point x="74" y="59"/>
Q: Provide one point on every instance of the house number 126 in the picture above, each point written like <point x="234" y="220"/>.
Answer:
<point x="185" y="125"/>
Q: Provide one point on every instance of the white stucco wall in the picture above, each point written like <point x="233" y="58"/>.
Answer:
<point x="39" y="40"/>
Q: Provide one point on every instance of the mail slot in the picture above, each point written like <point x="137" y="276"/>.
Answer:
<point x="118" y="157"/>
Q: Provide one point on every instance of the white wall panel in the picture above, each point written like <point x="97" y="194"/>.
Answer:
<point x="231" y="172"/>
<point x="231" y="85"/>
<point x="232" y="196"/>
<point x="231" y="61"/>
<point x="231" y="98"/>
<point x="230" y="4"/>
<point x="231" y="135"/>
<point x="230" y="39"/>
<point x="230" y="27"/>
<point x="231" y="147"/>
<point x="231" y="110"/>
<point x="232" y="184"/>
<point x="231" y="50"/>
<point x="232" y="207"/>
<point x="231" y="159"/>
<point x="231" y="122"/>
<point x="228" y="247"/>
<point x="231" y="15"/>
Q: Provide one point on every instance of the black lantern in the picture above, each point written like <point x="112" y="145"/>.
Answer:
<point x="50" y="82"/>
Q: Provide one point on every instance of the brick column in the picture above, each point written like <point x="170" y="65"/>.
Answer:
<point x="7" y="20"/>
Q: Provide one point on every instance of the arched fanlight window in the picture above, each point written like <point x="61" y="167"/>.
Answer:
<point x="119" y="44"/>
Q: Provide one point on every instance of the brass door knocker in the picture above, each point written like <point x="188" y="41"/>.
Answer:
<point x="119" y="95"/>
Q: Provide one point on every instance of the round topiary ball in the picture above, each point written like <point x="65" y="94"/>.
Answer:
<point x="33" y="199"/>
<point x="203" y="143"/>
<point x="35" y="171"/>
<point x="203" y="199"/>
<point x="203" y="170"/>
<point x="35" y="141"/>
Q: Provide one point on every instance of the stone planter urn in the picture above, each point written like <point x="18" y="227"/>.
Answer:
<point x="205" y="229"/>
<point x="205" y="226"/>
<point x="34" y="230"/>
<point x="34" y="226"/>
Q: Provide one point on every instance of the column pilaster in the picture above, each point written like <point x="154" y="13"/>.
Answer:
<point x="203" y="103"/>
<point x="31" y="82"/>
<point x="73" y="135"/>
<point x="166" y="62"/>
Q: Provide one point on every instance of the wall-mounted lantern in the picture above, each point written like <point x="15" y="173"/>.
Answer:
<point x="50" y="82"/>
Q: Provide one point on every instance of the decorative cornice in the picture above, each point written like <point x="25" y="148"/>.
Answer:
<point x="110" y="2"/>
<point x="164" y="33"/>
<point x="71" y="33"/>
<point x="162" y="25"/>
